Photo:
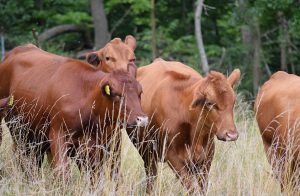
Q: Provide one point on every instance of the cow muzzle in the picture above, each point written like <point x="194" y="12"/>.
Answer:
<point x="228" y="136"/>
<point x="140" y="121"/>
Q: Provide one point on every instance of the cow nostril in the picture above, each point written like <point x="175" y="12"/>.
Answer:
<point x="142" y="121"/>
<point x="232" y="135"/>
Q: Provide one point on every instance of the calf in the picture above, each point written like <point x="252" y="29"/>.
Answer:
<point x="277" y="114"/>
<point x="114" y="55"/>
<point x="65" y="102"/>
<point x="187" y="111"/>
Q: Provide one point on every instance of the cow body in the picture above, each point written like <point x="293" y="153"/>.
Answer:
<point x="186" y="111"/>
<point x="277" y="114"/>
<point x="65" y="101"/>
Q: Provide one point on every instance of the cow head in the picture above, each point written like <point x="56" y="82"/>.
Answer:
<point x="121" y="94"/>
<point x="214" y="99"/>
<point x="115" y="55"/>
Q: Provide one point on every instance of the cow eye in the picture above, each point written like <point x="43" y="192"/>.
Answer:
<point x="210" y="105"/>
<point x="132" y="60"/>
<point x="118" y="98"/>
<point x="107" y="58"/>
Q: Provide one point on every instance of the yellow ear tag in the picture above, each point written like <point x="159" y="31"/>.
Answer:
<point x="11" y="101"/>
<point x="107" y="89"/>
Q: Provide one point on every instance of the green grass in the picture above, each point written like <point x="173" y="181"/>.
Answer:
<point x="238" y="168"/>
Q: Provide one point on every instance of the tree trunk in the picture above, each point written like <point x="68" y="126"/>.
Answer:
<point x="100" y="24"/>
<point x="292" y="63"/>
<point x="256" y="57"/>
<point x="247" y="43"/>
<point x="198" y="34"/>
<point x="284" y="37"/>
<point x="153" y="30"/>
<point x="2" y="51"/>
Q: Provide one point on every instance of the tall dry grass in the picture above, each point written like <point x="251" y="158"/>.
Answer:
<point x="238" y="168"/>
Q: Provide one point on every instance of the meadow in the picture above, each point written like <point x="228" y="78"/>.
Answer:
<point x="238" y="168"/>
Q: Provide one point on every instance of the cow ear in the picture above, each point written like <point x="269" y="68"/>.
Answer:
<point x="198" y="99"/>
<point x="132" y="69"/>
<point x="130" y="41"/>
<point x="93" y="58"/>
<point x="116" y="40"/>
<point x="234" y="77"/>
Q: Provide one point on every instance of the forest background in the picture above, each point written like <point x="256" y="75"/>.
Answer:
<point x="258" y="36"/>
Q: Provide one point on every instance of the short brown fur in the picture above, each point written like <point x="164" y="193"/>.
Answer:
<point x="114" y="55"/>
<point x="277" y="115"/>
<point x="69" y="101"/>
<point x="182" y="128"/>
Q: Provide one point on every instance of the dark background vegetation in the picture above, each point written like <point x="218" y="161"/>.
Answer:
<point x="257" y="36"/>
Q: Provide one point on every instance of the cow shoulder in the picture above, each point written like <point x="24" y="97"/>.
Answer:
<point x="279" y="75"/>
<point x="20" y="49"/>
<point x="176" y="70"/>
<point x="158" y="59"/>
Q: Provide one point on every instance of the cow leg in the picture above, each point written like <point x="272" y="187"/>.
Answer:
<point x="150" y="164"/>
<point x="49" y="158"/>
<point x="204" y="169"/>
<point x="276" y="161"/>
<point x="88" y="158"/>
<point x="3" y="110"/>
<point x="58" y="150"/>
<point x="150" y="156"/>
<point x="1" y="130"/>
<point x="114" y="149"/>
<point x="183" y="172"/>
<point x="29" y="156"/>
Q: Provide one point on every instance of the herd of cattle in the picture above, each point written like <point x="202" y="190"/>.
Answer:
<point x="170" y="112"/>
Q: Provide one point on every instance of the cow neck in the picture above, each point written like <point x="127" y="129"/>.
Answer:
<point x="198" y="139"/>
<point x="188" y="92"/>
<point x="198" y="126"/>
<point x="95" y="97"/>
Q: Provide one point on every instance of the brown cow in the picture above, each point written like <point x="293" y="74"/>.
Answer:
<point x="277" y="113"/>
<point x="187" y="111"/>
<point x="115" y="55"/>
<point x="65" y="101"/>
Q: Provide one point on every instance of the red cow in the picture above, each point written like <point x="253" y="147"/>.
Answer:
<point x="65" y="102"/>
<point x="187" y="111"/>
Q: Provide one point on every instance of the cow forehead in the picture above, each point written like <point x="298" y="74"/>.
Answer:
<point x="122" y="79"/>
<point x="119" y="50"/>
<point x="222" y="94"/>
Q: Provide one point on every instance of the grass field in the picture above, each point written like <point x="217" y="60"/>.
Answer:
<point x="239" y="168"/>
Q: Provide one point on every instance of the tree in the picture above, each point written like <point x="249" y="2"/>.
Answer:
<point x="153" y="30"/>
<point x="198" y="35"/>
<point x="100" y="24"/>
<point x="256" y="56"/>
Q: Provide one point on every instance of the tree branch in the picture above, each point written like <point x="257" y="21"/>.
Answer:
<point x="120" y="21"/>
<point x="60" y="29"/>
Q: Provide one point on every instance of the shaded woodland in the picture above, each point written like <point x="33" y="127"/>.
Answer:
<point x="260" y="37"/>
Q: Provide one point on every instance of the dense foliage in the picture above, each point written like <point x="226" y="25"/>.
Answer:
<point x="226" y="27"/>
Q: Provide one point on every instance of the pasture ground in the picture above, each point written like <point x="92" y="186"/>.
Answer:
<point x="239" y="168"/>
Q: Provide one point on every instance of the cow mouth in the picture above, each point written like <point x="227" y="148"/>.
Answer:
<point x="139" y="121"/>
<point x="227" y="139"/>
